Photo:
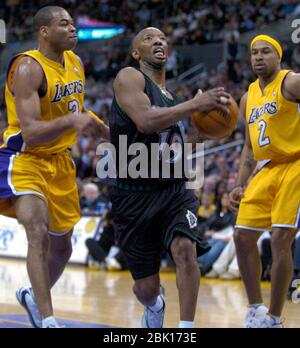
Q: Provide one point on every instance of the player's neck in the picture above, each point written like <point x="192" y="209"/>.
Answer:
<point x="265" y="80"/>
<point x="156" y="73"/>
<point x="56" y="56"/>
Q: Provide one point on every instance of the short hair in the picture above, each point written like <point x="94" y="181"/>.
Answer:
<point x="44" y="16"/>
<point x="92" y="186"/>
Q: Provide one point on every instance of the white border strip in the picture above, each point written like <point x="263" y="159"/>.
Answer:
<point x="252" y="228"/>
<point x="12" y="135"/>
<point x="286" y="226"/>
<point x="298" y="217"/>
<point x="291" y="226"/>
<point x="58" y="234"/>
<point x="9" y="180"/>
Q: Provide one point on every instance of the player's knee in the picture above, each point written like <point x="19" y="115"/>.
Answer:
<point x="184" y="252"/>
<point x="34" y="225"/>
<point x="63" y="254"/>
<point x="61" y="251"/>
<point x="281" y="241"/>
<point x="37" y="237"/>
<point x="146" y="292"/>
<point x="243" y="240"/>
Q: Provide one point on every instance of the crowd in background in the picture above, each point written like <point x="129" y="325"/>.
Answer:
<point x="188" y="22"/>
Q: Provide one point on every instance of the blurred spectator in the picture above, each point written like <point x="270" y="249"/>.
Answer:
<point x="90" y="202"/>
<point x="218" y="229"/>
<point x="172" y="64"/>
<point x="206" y="208"/>
<point x="232" y="55"/>
<point x="226" y="266"/>
<point x="100" y="249"/>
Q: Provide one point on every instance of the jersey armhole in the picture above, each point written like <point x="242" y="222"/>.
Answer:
<point x="9" y="74"/>
<point x="120" y="110"/>
<point x="281" y="94"/>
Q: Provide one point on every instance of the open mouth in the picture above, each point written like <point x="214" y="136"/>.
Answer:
<point x="159" y="53"/>
<point x="259" y="66"/>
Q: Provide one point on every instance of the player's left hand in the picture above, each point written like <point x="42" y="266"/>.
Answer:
<point x="235" y="197"/>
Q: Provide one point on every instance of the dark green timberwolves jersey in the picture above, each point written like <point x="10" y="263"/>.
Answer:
<point x="121" y="125"/>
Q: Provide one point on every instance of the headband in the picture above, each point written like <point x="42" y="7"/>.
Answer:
<point x="270" y="40"/>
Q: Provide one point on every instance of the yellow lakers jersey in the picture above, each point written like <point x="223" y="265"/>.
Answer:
<point x="273" y="121"/>
<point x="65" y="95"/>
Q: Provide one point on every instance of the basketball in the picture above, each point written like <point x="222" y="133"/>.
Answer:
<point x="215" y="124"/>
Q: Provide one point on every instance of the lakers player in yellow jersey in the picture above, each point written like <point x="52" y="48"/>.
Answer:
<point x="271" y="201"/>
<point x="45" y="105"/>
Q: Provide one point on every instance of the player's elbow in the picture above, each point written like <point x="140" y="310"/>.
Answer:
<point x="28" y="138"/>
<point x="145" y="127"/>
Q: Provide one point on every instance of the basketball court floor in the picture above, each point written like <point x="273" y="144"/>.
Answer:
<point x="93" y="298"/>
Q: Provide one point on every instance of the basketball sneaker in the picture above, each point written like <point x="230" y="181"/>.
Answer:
<point x="269" y="322"/>
<point x="152" y="319"/>
<point x="51" y="323"/>
<point x="254" y="315"/>
<point x="26" y="299"/>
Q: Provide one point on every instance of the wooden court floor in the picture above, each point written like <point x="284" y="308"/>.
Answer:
<point x="105" y="298"/>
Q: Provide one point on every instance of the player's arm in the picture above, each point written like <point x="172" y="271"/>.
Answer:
<point x="291" y="87"/>
<point x="27" y="81"/>
<point x="129" y="88"/>
<point x="247" y="163"/>
<point x="102" y="128"/>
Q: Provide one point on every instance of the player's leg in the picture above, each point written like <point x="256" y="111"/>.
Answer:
<point x="250" y="268"/>
<point x="138" y="234"/>
<point x="285" y="223"/>
<point x="184" y="254"/>
<point x="60" y="251"/>
<point x="147" y="290"/>
<point x="249" y="262"/>
<point x="254" y="217"/>
<point x="64" y="213"/>
<point x="149" y="293"/>
<point x="282" y="267"/>
<point x="32" y="212"/>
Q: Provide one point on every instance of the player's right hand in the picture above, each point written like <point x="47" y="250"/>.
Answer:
<point x="215" y="98"/>
<point x="235" y="197"/>
<point x="83" y="122"/>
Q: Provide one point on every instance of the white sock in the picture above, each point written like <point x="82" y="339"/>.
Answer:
<point x="186" y="324"/>
<point x="158" y="305"/>
<point x="256" y="305"/>
<point x="48" y="320"/>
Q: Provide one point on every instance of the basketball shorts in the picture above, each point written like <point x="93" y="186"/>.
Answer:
<point x="50" y="178"/>
<point x="272" y="198"/>
<point x="146" y="222"/>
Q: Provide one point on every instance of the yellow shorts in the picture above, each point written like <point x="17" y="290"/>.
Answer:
<point x="51" y="178"/>
<point x="272" y="198"/>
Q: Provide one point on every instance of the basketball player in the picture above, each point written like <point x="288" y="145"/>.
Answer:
<point x="152" y="214"/>
<point x="271" y="201"/>
<point x="44" y="97"/>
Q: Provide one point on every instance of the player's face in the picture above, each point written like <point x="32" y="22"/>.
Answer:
<point x="264" y="58"/>
<point x="62" y="31"/>
<point x="152" y="47"/>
